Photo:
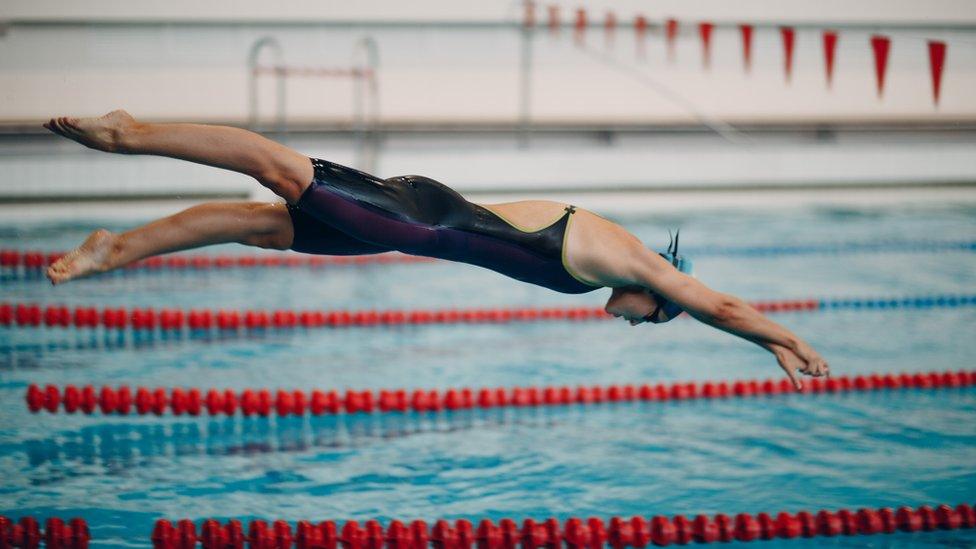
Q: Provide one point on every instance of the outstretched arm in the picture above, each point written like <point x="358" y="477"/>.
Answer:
<point x="728" y="313"/>
<point x="250" y="223"/>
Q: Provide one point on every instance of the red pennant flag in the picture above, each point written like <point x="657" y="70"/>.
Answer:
<point x="671" y="32"/>
<point x="609" y="26"/>
<point x="705" y="31"/>
<point x="529" y="14"/>
<point x="580" y="25"/>
<point x="746" y="31"/>
<point x="881" y="45"/>
<point x="789" y="40"/>
<point x="937" y="54"/>
<point x="640" y="30"/>
<point x="554" y="19"/>
<point x="830" y="51"/>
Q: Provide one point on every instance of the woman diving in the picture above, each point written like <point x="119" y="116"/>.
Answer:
<point x="335" y="210"/>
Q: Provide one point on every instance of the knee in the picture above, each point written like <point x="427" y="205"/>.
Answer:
<point x="277" y="183"/>
<point x="288" y="181"/>
<point x="270" y="226"/>
<point x="268" y="242"/>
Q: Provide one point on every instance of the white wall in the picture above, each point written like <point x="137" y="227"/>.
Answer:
<point x="456" y="62"/>
<point x="561" y="168"/>
<point x="440" y="73"/>
<point x="938" y="12"/>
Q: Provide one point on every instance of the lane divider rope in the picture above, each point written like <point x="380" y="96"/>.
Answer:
<point x="125" y="400"/>
<point x="573" y="533"/>
<point x="149" y="318"/>
<point x="837" y="248"/>
<point x="57" y="533"/>
<point x="35" y="260"/>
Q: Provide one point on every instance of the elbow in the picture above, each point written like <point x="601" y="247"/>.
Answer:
<point x="726" y="310"/>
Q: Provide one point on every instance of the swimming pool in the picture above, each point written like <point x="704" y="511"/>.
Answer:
<point x="829" y="451"/>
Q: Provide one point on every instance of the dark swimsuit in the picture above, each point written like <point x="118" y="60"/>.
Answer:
<point x="348" y="212"/>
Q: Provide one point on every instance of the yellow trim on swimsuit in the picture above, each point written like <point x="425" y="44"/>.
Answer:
<point x="569" y="224"/>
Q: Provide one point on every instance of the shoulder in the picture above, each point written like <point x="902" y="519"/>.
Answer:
<point x="603" y="252"/>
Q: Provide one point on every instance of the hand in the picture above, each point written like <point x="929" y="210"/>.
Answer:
<point x="804" y="360"/>
<point x="816" y="365"/>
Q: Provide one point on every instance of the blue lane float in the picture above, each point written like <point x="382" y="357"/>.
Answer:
<point x="886" y="246"/>
<point x="30" y="265"/>
<point x="225" y="321"/>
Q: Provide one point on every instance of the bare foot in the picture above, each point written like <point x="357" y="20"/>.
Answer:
<point x="103" y="133"/>
<point x="89" y="258"/>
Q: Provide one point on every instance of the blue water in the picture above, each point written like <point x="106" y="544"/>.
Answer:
<point x="768" y="454"/>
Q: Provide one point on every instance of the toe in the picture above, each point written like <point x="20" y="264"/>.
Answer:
<point x="52" y="125"/>
<point x="66" y="130"/>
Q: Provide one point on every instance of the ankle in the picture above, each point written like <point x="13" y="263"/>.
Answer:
<point x="128" y="138"/>
<point x="116" y="253"/>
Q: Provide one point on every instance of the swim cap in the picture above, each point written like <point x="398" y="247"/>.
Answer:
<point x="684" y="265"/>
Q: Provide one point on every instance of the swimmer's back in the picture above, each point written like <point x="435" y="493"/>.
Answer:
<point x="592" y="241"/>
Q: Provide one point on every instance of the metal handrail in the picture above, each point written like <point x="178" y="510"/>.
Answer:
<point x="279" y="61"/>
<point x="366" y="103"/>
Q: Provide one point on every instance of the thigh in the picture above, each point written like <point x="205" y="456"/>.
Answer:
<point x="283" y="170"/>
<point x="385" y="213"/>
<point x="312" y="236"/>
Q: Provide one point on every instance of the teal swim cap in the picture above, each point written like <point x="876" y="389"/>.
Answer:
<point x="684" y="265"/>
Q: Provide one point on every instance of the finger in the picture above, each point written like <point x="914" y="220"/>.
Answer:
<point x="794" y="377"/>
<point x="812" y="369"/>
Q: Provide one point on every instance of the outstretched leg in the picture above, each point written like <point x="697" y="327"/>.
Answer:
<point x="286" y="172"/>
<point x="251" y="223"/>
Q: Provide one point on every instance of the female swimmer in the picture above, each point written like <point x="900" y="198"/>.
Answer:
<point x="336" y="210"/>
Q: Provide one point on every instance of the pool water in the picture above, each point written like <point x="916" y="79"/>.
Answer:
<point x="812" y="452"/>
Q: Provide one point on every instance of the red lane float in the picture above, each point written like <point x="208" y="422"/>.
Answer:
<point x="57" y="533"/>
<point x="264" y="402"/>
<point x="34" y="315"/>
<point x="35" y="260"/>
<point x="573" y="533"/>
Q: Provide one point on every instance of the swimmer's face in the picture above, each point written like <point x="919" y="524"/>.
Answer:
<point x="631" y="304"/>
